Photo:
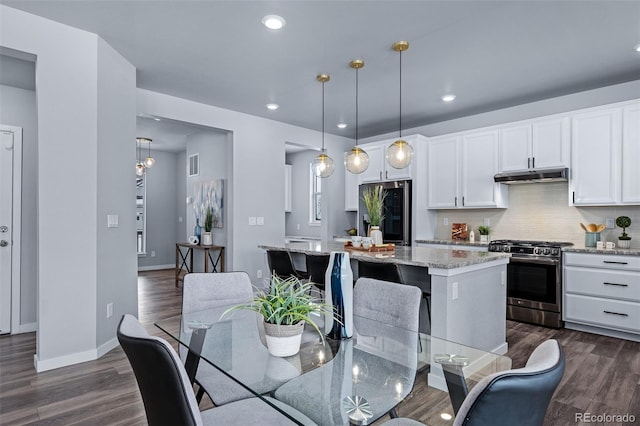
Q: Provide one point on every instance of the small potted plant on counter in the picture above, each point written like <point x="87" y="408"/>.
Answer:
<point x="207" y="240"/>
<point x="624" y="240"/>
<point x="373" y="198"/>
<point x="484" y="233"/>
<point x="285" y="308"/>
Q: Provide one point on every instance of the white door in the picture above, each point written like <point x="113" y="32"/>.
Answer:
<point x="6" y="226"/>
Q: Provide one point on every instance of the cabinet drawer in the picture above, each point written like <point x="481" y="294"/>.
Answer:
<point x="608" y="261"/>
<point x="596" y="282"/>
<point x="603" y="312"/>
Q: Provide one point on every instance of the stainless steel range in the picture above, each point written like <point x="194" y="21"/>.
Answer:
<point x="534" y="280"/>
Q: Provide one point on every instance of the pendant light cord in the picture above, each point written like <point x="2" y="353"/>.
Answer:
<point x="356" y="106"/>
<point x="323" y="117"/>
<point x="400" y="131"/>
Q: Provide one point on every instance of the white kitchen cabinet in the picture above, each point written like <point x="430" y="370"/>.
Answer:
<point x="350" y="190"/>
<point x="595" y="163"/>
<point x="287" y="187"/>
<point x="461" y="169"/>
<point x="535" y="144"/>
<point x="374" y="172"/>
<point x="379" y="170"/>
<point x="602" y="294"/>
<point x="631" y="154"/>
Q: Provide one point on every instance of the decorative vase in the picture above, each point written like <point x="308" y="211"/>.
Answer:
<point x="283" y="340"/>
<point x="484" y="238"/>
<point x="376" y="235"/>
<point x="197" y="231"/>
<point x="207" y="239"/>
<point x="624" y="244"/>
<point x="339" y="294"/>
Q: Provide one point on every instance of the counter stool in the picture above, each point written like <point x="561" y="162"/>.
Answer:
<point x="281" y="264"/>
<point x="317" y="265"/>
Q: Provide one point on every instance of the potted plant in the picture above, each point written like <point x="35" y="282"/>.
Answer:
<point x="484" y="233"/>
<point x="624" y="240"/>
<point x="373" y="198"/>
<point x="207" y="240"/>
<point x="285" y="308"/>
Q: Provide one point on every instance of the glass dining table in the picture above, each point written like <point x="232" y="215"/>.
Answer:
<point x="331" y="382"/>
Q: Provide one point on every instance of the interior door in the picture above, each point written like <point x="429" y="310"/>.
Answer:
<point x="6" y="225"/>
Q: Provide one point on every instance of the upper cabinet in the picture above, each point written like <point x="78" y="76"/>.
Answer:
<point x="538" y="144"/>
<point x="287" y="187"/>
<point x="379" y="170"/>
<point x="631" y="154"/>
<point x="461" y="169"/>
<point x="350" y="190"/>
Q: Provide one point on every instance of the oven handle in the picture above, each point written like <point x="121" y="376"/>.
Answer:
<point x="536" y="260"/>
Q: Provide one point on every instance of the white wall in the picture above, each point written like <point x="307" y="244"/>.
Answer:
<point x="181" y="196"/>
<point x="18" y="108"/>
<point x="69" y="65"/>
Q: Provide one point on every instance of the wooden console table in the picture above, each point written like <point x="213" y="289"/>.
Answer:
<point x="184" y="259"/>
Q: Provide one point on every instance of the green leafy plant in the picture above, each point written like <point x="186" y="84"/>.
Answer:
<point x="484" y="230"/>
<point x="351" y="231"/>
<point x="287" y="302"/>
<point x="623" y="222"/>
<point x="373" y="198"/>
<point x="208" y="220"/>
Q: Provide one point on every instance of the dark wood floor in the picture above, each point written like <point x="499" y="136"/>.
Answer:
<point x="602" y="375"/>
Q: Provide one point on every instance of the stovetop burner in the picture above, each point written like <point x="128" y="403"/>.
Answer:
<point x="529" y="248"/>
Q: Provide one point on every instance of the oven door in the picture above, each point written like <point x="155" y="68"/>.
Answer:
<point x="534" y="283"/>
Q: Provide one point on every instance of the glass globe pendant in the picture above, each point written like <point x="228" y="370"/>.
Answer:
<point x="357" y="160"/>
<point x="400" y="153"/>
<point x="140" y="169"/>
<point x="149" y="161"/>
<point x="323" y="164"/>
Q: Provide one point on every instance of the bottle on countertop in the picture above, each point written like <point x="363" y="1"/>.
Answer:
<point x="472" y="237"/>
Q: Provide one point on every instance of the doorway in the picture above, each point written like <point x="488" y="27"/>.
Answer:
<point x="10" y="202"/>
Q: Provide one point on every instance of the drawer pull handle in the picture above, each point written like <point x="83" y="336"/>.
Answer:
<point x="616" y="284"/>
<point x="616" y="313"/>
<point x="617" y="263"/>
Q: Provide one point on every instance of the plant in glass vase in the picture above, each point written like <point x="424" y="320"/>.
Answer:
<point x="624" y="240"/>
<point x="373" y="198"/>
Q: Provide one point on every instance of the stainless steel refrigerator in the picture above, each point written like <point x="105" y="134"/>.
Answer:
<point x="396" y="226"/>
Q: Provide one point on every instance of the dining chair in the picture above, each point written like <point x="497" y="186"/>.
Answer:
<point x="281" y="264"/>
<point x="167" y="393"/>
<point x="203" y="291"/>
<point x="519" y="396"/>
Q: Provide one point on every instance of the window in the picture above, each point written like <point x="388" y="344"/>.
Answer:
<point x="194" y="165"/>
<point x="315" y="191"/>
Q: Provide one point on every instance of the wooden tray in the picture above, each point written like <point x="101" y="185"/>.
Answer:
<point x="372" y="249"/>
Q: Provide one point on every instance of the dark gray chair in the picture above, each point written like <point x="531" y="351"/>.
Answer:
<point x="167" y="393"/>
<point x="514" y="397"/>
<point x="380" y="271"/>
<point x="317" y="265"/>
<point x="281" y="264"/>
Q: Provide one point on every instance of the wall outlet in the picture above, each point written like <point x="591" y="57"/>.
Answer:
<point x="153" y="253"/>
<point x="610" y="223"/>
<point x="259" y="273"/>
<point x="298" y="226"/>
<point x="109" y="309"/>
<point x="179" y="219"/>
<point x="486" y="221"/>
<point x="445" y="221"/>
<point x="454" y="291"/>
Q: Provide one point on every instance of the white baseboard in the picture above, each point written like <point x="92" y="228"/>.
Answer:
<point x="75" y="358"/>
<point x="26" y="328"/>
<point x="156" y="267"/>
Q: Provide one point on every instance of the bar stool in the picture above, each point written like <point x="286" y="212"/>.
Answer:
<point x="317" y="265"/>
<point x="281" y="264"/>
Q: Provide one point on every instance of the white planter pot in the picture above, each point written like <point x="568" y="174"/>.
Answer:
<point x="283" y="340"/>
<point x="484" y="238"/>
<point x="207" y="239"/>
<point x="376" y="235"/>
<point x="624" y="244"/>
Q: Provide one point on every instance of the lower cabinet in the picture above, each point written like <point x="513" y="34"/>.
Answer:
<point x="602" y="294"/>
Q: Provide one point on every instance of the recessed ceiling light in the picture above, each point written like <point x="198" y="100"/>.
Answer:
<point x="273" y="106"/>
<point x="637" y="47"/>
<point x="273" y="22"/>
<point x="342" y="125"/>
<point x="156" y="118"/>
<point x="448" y="98"/>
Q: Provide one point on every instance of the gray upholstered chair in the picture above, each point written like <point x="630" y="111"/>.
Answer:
<point x="514" y="397"/>
<point x="205" y="291"/>
<point x="167" y="393"/>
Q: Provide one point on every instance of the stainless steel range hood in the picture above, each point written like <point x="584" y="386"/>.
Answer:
<point x="533" y="176"/>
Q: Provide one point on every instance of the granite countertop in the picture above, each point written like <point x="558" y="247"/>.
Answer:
<point x="614" y="251"/>
<point x="454" y="243"/>
<point x="405" y="255"/>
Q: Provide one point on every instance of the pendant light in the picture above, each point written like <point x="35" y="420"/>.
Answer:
<point x="323" y="164"/>
<point x="400" y="153"/>
<point x="149" y="161"/>
<point x="139" y="165"/>
<point x="357" y="159"/>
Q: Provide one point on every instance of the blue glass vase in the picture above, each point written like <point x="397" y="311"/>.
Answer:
<point x="197" y="231"/>
<point x="339" y="295"/>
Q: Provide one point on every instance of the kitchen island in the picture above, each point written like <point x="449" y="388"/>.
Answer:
<point x="468" y="288"/>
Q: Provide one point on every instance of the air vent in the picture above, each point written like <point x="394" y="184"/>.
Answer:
<point x="194" y="165"/>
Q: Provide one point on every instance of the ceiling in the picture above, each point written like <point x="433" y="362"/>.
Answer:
<point x="490" y="54"/>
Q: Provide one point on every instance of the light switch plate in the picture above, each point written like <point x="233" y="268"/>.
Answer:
<point x="610" y="223"/>
<point x="260" y="221"/>
<point x="112" y="221"/>
<point x="252" y="221"/>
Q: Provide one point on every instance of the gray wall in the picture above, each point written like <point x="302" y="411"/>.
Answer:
<point x="162" y="224"/>
<point x="300" y="206"/>
<point x="18" y="108"/>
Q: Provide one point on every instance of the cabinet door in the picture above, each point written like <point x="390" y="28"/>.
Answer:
<point x="374" y="172"/>
<point x="515" y="148"/>
<point x="479" y="165"/>
<point x="350" y="191"/>
<point x="631" y="155"/>
<point x="550" y="143"/>
<point x="595" y="157"/>
<point x="391" y="173"/>
<point x="287" y="188"/>
<point x="443" y="173"/>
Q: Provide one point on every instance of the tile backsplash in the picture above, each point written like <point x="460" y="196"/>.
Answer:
<point x="540" y="211"/>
